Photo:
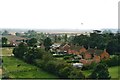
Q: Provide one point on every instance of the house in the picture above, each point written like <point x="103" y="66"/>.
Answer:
<point x="105" y="55"/>
<point x="82" y="49"/>
<point x="88" y="54"/>
<point x="76" y="49"/>
<point x="86" y="62"/>
<point x="65" y="48"/>
<point x="96" y="59"/>
<point x="15" y="40"/>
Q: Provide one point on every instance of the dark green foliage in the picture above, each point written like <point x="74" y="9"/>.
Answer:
<point x="67" y="57"/>
<point x="100" y="72"/>
<point x="65" y="38"/>
<point x="113" y="46"/>
<point x="32" y="42"/>
<point x="46" y="61"/>
<point x="4" y="40"/>
<point x="114" y="61"/>
<point x="72" y="61"/>
<point x="58" y="56"/>
<point x="103" y="41"/>
<point x="47" y="43"/>
<point x="76" y="74"/>
<point x="89" y="67"/>
<point x="33" y="54"/>
<point x="65" y="72"/>
<point x="20" y="50"/>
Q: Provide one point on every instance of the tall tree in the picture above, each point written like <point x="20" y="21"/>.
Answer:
<point x="47" y="43"/>
<point x="100" y="72"/>
<point x="55" y="38"/>
<point x="32" y="42"/>
<point x="65" y="37"/>
<point x="5" y="32"/>
<point x="20" y="50"/>
<point x="4" y="40"/>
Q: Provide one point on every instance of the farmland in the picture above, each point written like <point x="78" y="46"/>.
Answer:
<point x="24" y="70"/>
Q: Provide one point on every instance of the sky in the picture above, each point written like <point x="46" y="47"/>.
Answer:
<point x="59" y="14"/>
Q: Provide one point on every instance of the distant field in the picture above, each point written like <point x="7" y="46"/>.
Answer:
<point x="24" y="70"/>
<point x="6" y="51"/>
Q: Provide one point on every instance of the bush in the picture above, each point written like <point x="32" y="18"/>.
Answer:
<point x="67" y="57"/>
<point x="76" y="74"/>
<point x="114" y="61"/>
<point x="88" y="67"/>
<point x="65" y="72"/>
<point x="100" y="72"/>
<point x="72" y="61"/>
<point x="58" y="55"/>
<point x="50" y="66"/>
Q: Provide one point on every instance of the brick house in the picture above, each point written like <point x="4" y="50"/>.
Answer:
<point x="86" y="62"/>
<point x="88" y="55"/>
<point x="105" y="55"/>
<point x="65" y="48"/>
<point x="94" y="55"/>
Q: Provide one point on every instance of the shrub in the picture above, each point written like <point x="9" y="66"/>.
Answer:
<point x="88" y="67"/>
<point x="65" y="72"/>
<point x="58" y="55"/>
<point x="50" y="66"/>
<point x="72" y="61"/>
<point x="114" y="61"/>
<point x="76" y="74"/>
<point x="67" y="57"/>
<point x="100" y="72"/>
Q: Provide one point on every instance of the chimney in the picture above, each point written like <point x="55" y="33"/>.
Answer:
<point x="105" y="50"/>
<point x="88" y="47"/>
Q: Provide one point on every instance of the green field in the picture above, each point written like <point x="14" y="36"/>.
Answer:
<point x="114" y="71"/>
<point x="24" y="70"/>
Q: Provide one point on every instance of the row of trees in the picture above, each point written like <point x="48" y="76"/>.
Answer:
<point x="101" y="41"/>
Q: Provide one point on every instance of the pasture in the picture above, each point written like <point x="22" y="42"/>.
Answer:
<point x="11" y="68"/>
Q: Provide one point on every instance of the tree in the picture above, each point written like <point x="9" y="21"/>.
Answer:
<point x="32" y="54"/>
<point x="47" y="43"/>
<point x="65" y="72"/>
<point x="100" y="72"/>
<point x="65" y="37"/>
<point x="112" y="47"/>
<point x="4" y="40"/>
<point x="17" y="34"/>
<point x="32" y="42"/>
<point x="55" y="38"/>
<point x="76" y="74"/>
<point x="21" y="50"/>
<point x="5" y="32"/>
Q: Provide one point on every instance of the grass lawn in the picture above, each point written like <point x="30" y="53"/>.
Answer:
<point x="114" y="72"/>
<point x="24" y="70"/>
<point x="6" y="51"/>
<point x="87" y="72"/>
